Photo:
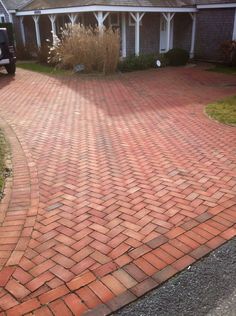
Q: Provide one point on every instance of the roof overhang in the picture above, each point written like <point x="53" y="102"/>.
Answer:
<point x="5" y="8"/>
<point x="216" y="6"/>
<point x="95" y="8"/>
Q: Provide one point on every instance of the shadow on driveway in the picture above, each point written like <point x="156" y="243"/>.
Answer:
<point x="5" y="79"/>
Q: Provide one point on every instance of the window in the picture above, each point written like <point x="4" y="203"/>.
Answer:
<point x="113" y="19"/>
<point x="163" y="25"/>
<point x="2" y="18"/>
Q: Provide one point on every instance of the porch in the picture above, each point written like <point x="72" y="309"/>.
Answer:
<point x="142" y="31"/>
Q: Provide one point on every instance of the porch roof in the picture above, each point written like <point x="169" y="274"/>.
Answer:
<point x="217" y="4"/>
<point x="51" y="4"/>
<point x="203" y="2"/>
<point x="15" y="4"/>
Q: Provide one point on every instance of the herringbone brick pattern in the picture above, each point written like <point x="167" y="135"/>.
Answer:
<point x="119" y="183"/>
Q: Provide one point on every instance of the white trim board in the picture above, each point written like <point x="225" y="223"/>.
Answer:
<point x="216" y="6"/>
<point x="4" y="18"/>
<point x="234" y="29"/>
<point x="5" y="9"/>
<point x="94" y="8"/>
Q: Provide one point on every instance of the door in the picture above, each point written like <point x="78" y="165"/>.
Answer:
<point x="163" y="34"/>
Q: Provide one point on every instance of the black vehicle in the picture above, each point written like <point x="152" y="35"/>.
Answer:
<point x="7" y="53"/>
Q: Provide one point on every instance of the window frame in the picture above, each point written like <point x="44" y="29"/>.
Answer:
<point x="2" y="18"/>
<point x="117" y="22"/>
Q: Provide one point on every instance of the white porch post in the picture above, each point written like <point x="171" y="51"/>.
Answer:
<point x="123" y="35"/>
<point x="36" y="23"/>
<point x="194" y="19"/>
<point x="168" y="32"/>
<point x="52" y="18"/>
<point x="234" y="30"/>
<point x="168" y="16"/>
<point x="73" y="18"/>
<point x="22" y="30"/>
<point x="137" y="34"/>
<point x="137" y="18"/>
<point x="10" y="18"/>
<point x="100" y="19"/>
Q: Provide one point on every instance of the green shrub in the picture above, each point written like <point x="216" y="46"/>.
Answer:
<point x="177" y="57"/>
<point x="144" y="61"/>
<point x="42" y="54"/>
<point x="25" y="53"/>
<point x="2" y="163"/>
<point x="31" y="52"/>
<point x="228" y="51"/>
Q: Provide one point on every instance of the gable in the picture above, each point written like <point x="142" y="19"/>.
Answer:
<point x="15" y="4"/>
<point x="4" y="16"/>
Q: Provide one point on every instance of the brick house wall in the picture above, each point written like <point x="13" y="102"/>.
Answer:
<point x="214" y="26"/>
<point x="16" y="27"/>
<point x="30" y="36"/>
<point x="4" y="13"/>
<point x="149" y="34"/>
<point x="182" y="31"/>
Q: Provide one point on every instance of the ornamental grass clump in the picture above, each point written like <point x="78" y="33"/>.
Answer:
<point x="228" y="51"/>
<point x="95" y="50"/>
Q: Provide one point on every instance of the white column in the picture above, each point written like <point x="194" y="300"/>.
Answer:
<point x="100" y="19"/>
<point x="137" y="18"/>
<point x="234" y="30"/>
<point x="137" y="34"/>
<point x="52" y="18"/>
<point x="168" y="32"/>
<point x="168" y="16"/>
<point x="22" y="30"/>
<point x="10" y="18"/>
<point x="123" y="35"/>
<point x="73" y="18"/>
<point x="192" y="49"/>
<point x="36" y="23"/>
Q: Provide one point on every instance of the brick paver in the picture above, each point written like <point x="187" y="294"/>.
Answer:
<point x="119" y="183"/>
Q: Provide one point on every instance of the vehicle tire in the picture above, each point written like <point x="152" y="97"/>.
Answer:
<point x="11" y="68"/>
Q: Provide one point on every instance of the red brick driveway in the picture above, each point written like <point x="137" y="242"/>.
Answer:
<point x="119" y="183"/>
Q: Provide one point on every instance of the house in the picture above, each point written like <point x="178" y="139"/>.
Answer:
<point x="146" y="26"/>
<point x="8" y="8"/>
<point x="4" y="14"/>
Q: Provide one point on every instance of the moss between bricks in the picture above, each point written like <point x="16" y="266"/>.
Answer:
<point x="3" y="170"/>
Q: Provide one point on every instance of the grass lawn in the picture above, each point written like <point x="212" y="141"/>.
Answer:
<point x="2" y="162"/>
<point x="223" y="111"/>
<point x="223" y="69"/>
<point x="41" y="68"/>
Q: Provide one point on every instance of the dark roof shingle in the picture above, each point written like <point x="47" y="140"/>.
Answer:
<point x="15" y="4"/>
<point x="48" y="4"/>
